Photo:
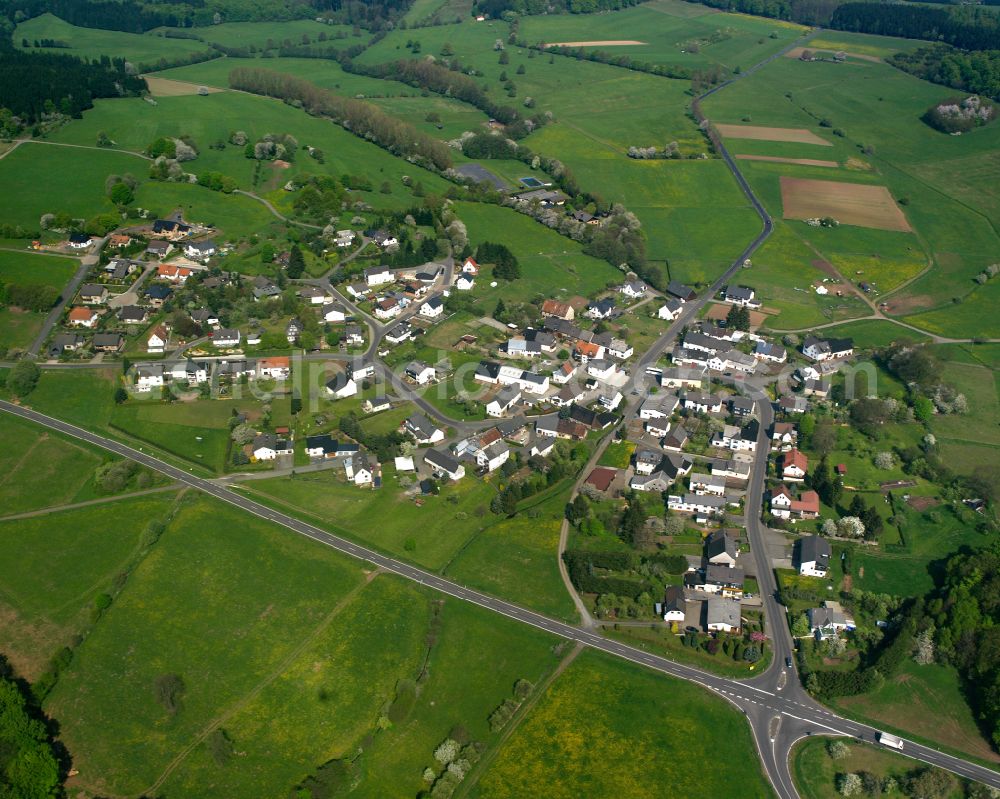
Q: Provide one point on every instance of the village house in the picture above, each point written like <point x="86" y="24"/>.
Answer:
<point x="264" y="289"/>
<point x="601" y="309"/>
<point x="267" y="447"/>
<point x="722" y="615"/>
<point x="444" y="463"/>
<point x="344" y="238"/>
<point x="793" y="465"/>
<point x="784" y="436"/>
<point x="376" y="404"/>
<point x="488" y="449"/>
<point x="680" y="291"/>
<point x="738" y="439"/>
<point x="588" y="350"/>
<point x="148" y="376"/>
<point x="504" y="401"/>
<point x="621" y="349"/>
<point x="657" y="481"/>
<point x="702" y="505"/>
<point x="325" y="446"/>
<point x="341" y="386"/>
<point x="658" y="406"/>
<point x="465" y="282"/>
<point x="558" y="309"/>
<point x="225" y="337"/>
<point x="564" y="373"/>
<point x="120" y="268"/>
<point x="432" y="308"/>
<point x="743" y="296"/>
<point x="191" y="372"/>
<point x="359" y="290"/>
<point x="813" y="556"/>
<point x="205" y="316"/>
<point x="700" y="402"/>
<point x="65" y="342"/>
<point x="420" y="372"/>
<point x="683" y="377"/>
<point x="732" y="361"/>
<point x="730" y="469"/>
<point x="360" y="370"/>
<point x="108" y="342"/>
<point x="674" y="607"/>
<point x="602" y="370"/>
<point x="721" y="548"/>
<point x="766" y="351"/>
<point x="132" y="314"/>
<point x="670" y="310"/>
<point x="354" y="336"/>
<point x="79" y="241"/>
<point x="397" y="334"/>
<point x="633" y="289"/>
<point x="647" y="461"/>
<point x="172" y="229"/>
<point x="790" y="403"/>
<point x="388" y="308"/>
<point x="158" y="294"/>
<point x="200" y="250"/>
<point x="470" y="267"/>
<point x="818" y="349"/>
<point x="422" y="429"/>
<point x="741" y="407"/>
<point x="675" y="438"/>
<point x="276" y="368"/>
<point x="173" y="273"/>
<point x="362" y="471"/>
<point x="723" y="579"/>
<point x="93" y="294"/>
<point x="315" y="295"/>
<point x="157" y="340"/>
<point x="293" y="330"/>
<point x="703" y="484"/>
<point x="159" y="249"/>
<point x="80" y="316"/>
<point x="332" y="312"/>
<point x="119" y="240"/>
<point x="379" y="275"/>
<point x="829" y="620"/>
<point x="690" y="359"/>
<point x="520" y="347"/>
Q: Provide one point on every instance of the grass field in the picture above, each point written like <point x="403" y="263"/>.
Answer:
<point x="270" y="35"/>
<point x="607" y="729"/>
<point x="949" y="206"/>
<point x="26" y="174"/>
<point x="52" y="567"/>
<point x="38" y="470"/>
<point x="815" y="772"/>
<point x="188" y="610"/>
<point x="18" y="328"/>
<point x="551" y="265"/>
<point x="926" y="701"/>
<point x="668" y="33"/>
<point x="140" y="49"/>
<point x="873" y="333"/>
<point x="132" y="124"/>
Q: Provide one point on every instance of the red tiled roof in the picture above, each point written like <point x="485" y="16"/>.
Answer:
<point x="601" y="478"/>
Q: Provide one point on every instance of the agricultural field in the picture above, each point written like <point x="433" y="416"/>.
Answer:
<point x="140" y="49"/>
<point x="667" y="32"/>
<point x="270" y="35"/>
<point x="19" y="327"/>
<point x="623" y="710"/>
<point x="848" y="203"/>
<point x="871" y="113"/>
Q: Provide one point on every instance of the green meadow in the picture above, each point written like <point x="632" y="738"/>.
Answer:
<point x="270" y="35"/>
<point x="53" y="566"/>
<point x="604" y="728"/>
<point x="669" y="32"/>
<point x="140" y="49"/>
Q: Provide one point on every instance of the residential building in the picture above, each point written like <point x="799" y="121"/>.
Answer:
<point x="277" y="368"/>
<point x="700" y="402"/>
<point x="680" y="291"/>
<point x="108" y="342"/>
<point x="601" y="309"/>
<point x="159" y="249"/>
<point x="132" y="314"/>
<point x="634" y="289"/>
<point x="657" y="481"/>
<point x="157" y="340"/>
<point x="647" y="461"/>
<point x="558" y="309"/>
<point x="470" y="267"/>
<point x="722" y="548"/>
<point x="829" y="620"/>
<point x="293" y="330"/>
<point x="741" y="406"/>
<point x="158" y="294"/>
<point x="683" y="377"/>
<point x="813" y="556"/>
<point x="564" y="373"/>
<point x="670" y="310"/>
<point x="465" y="282"/>
<point x="341" y="386"/>
<point x="704" y="505"/>
<point x="379" y="275"/>
<point x="818" y="349"/>
<point x="81" y="316"/>
<point x="442" y="462"/>
<point x="93" y="294"/>
<point x="173" y="273"/>
<point x="422" y="429"/>
<point x="504" y="401"/>
<point x="225" y="337"/>
<point x="79" y="241"/>
<point x="376" y="405"/>
<point x="432" y="308"/>
<point x="658" y="406"/>
<point x="420" y="372"/>
<point x="743" y="296"/>
<point x="674" y="606"/>
<point x="332" y="312"/>
<point x="519" y="347"/>
<point x="267" y="447"/>
<point x="65" y="342"/>
<point x="724" y="579"/>
<point x="702" y="484"/>
<point x="398" y="333"/>
<point x="732" y="361"/>
<point x="387" y="308"/>
<point x="766" y="351"/>
<point x="722" y="615"/>
<point x="148" y="376"/>
<point x="794" y="465"/>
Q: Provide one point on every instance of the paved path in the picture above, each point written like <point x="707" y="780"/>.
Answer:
<point x="797" y="715"/>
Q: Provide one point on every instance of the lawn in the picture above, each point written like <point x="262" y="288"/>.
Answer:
<point x="52" y="567"/>
<point x="26" y="174"/>
<point x="815" y="772"/>
<point x="144" y="50"/>
<point x="980" y="424"/>
<point x="925" y="701"/>
<point x="617" y="454"/>
<point x="187" y="611"/>
<point x="607" y="728"/>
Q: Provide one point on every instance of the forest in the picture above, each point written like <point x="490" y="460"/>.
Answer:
<point x="32" y="85"/>
<point x="977" y="72"/>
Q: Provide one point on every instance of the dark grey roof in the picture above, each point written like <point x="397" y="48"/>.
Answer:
<point x="132" y="313"/>
<point x="719" y="542"/>
<point x="814" y="549"/>
<point x="441" y="460"/>
<point x="673" y="599"/>
<point x="720" y="574"/>
<point x="679" y="289"/>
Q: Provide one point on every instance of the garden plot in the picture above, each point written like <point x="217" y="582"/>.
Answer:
<point x="848" y="203"/>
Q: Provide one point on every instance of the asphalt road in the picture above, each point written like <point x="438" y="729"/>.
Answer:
<point x="761" y="704"/>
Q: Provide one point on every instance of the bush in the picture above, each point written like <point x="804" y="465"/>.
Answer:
<point x="169" y="690"/>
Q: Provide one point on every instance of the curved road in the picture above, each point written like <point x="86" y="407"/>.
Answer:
<point x="761" y="704"/>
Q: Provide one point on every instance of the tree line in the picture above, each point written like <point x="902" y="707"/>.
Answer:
<point x="360" y="118"/>
<point x="38" y="84"/>
<point x="977" y="71"/>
